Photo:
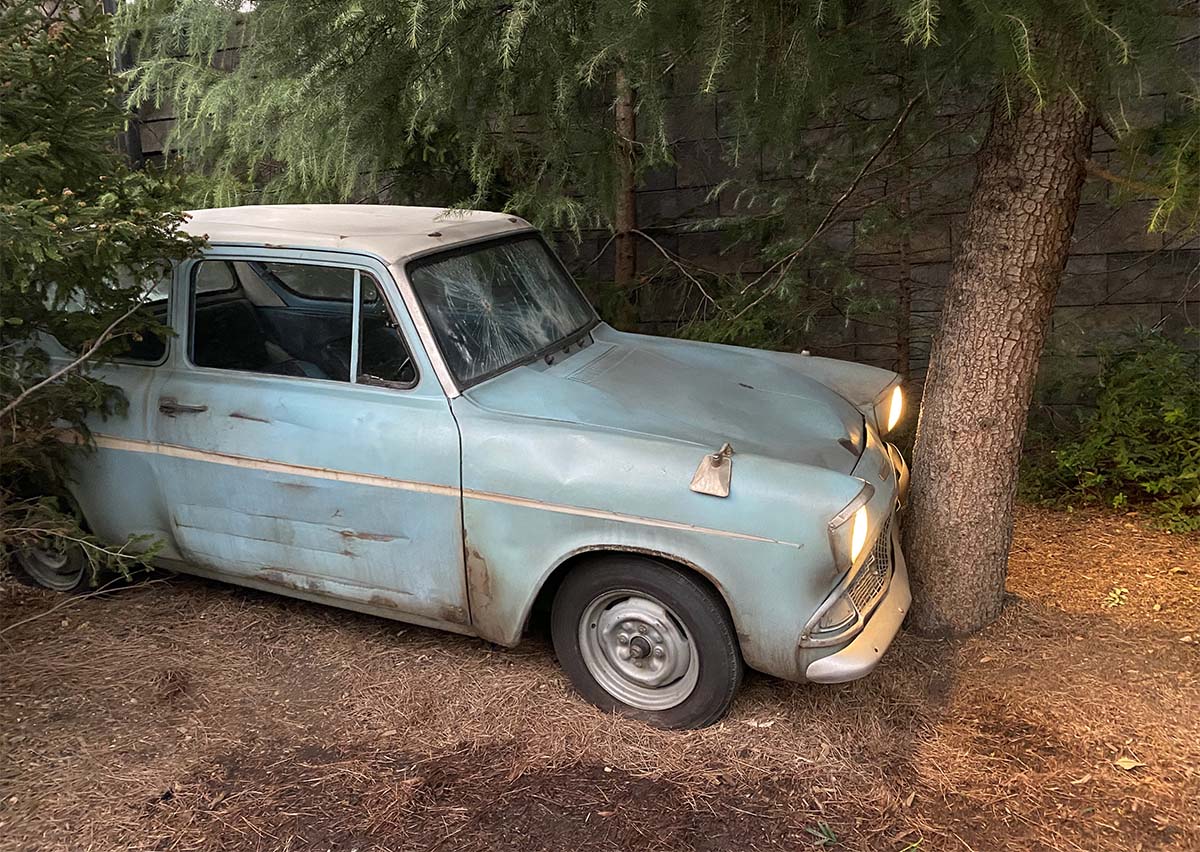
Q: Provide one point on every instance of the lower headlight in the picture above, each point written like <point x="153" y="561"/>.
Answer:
<point x="858" y="533"/>
<point x="895" y="408"/>
<point x="840" y="615"/>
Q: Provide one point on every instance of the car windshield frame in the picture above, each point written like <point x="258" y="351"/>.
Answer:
<point x="566" y="341"/>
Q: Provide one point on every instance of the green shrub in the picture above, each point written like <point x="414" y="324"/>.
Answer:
<point x="82" y="237"/>
<point x="1141" y="443"/>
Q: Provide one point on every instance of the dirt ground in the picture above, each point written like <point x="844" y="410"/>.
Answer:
<point x="187" y="715"/>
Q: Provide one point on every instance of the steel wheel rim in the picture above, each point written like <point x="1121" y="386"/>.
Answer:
<point x="51" y="567"/>
<point x="638" y="650"/>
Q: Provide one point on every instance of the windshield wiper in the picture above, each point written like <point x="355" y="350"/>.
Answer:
<point x="564" y="346"/>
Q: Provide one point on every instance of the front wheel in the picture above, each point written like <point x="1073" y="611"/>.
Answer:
<point x="643" y="639"/>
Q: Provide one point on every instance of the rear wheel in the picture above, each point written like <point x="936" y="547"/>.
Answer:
<point x="53" y="565"/>
<point x="644" y="639"/>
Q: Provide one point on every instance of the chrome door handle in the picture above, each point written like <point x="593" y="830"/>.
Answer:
<point x="170" y="406"/>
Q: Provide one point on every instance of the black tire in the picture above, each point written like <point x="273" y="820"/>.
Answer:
<point x="692" y="604"/>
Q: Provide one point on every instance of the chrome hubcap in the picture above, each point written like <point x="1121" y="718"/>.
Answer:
<point x="638" y="650"/>
<point x="51" y="567"/>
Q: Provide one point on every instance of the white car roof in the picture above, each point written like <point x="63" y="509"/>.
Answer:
<point x="391" y="232"/>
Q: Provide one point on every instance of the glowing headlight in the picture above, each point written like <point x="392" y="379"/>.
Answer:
<point x="858" y="533"/>
<point x="895" y="408"/>
<point x="848" y="529"/>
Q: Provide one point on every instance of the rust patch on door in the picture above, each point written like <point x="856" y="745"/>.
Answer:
<point x="452" y="614"/>
<point x="365" y="536"/>
<point x="276" y="577"/>
<point x="381" y="600"/>
<point x="238" y="415"/>
<point x="479" y="592"/>
<point x="479" y="578"/>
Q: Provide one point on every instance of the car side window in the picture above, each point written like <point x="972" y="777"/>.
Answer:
<point x="242" y="319"/>
<point x="315" y="282"/>
<point x="148" y="346"/>
<point x="383" y="355"/>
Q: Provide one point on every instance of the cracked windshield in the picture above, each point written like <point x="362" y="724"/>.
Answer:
<point x="496" y="304"/>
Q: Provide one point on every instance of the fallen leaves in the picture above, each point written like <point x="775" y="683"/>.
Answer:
<point x="1127" y="763"/>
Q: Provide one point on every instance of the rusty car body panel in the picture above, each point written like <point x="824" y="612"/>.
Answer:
<point x="454" y="506"/>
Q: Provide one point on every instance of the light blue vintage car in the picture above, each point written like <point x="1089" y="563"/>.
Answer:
<point x="416" y="414"/>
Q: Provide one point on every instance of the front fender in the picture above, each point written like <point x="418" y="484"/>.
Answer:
<point x="537" y="493"/>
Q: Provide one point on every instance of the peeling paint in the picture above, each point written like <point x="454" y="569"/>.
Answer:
<point x="280" y="577"/>
<point x="452" y="614"/>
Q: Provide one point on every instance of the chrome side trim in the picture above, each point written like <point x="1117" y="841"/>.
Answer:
<point x="252" y="463"/>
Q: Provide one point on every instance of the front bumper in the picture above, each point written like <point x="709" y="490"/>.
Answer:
<point x="860" y="657"/>
<point x="901" y="468"/>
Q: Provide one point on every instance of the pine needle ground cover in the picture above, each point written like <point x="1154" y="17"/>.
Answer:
<point x="187" y="715"/>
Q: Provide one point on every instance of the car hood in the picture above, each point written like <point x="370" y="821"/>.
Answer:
<point x="687" y="391"/>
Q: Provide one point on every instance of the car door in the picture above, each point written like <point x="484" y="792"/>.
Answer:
<point x="304" y="443"/>
<point x="115" y="484"/>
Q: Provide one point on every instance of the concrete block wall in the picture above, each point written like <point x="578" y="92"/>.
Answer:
<point x="1118" y="276"/>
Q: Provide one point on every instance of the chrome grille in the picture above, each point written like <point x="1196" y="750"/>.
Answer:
<point x="872" y="579"/>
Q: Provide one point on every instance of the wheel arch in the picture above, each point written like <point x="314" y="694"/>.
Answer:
<point x="544" y="597"/>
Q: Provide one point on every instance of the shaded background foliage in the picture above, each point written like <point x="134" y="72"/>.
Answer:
<point x="511" y="106"/>
<point x="1138" y="443"/>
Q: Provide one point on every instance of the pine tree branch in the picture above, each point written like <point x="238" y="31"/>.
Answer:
<point x="104" y="337"/>
<point x="1097" y="170"/>
<point x="829" y="217"/>
<point x="1108" y="127"/>
<point x="74" y="599"/>
<point x="674" y="262"/>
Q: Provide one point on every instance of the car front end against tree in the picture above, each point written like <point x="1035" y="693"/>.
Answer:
<point x="417" y="415"/>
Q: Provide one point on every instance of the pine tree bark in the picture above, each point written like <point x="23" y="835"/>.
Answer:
<point x="1004" y="276"/>
<point x="625" y="220"/>
<point x="904" y="278"/>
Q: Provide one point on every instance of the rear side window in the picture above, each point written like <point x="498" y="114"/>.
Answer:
<point x="244" y="317"/>
<point x="215" y="277"/>
<point x="148" y="346"/>
<point x="323" y="283"/>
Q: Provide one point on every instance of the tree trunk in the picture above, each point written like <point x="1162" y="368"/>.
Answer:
<point x="904" y="276"/>
<point x="1003" y="279"/>
<point x="625" y="219"/>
